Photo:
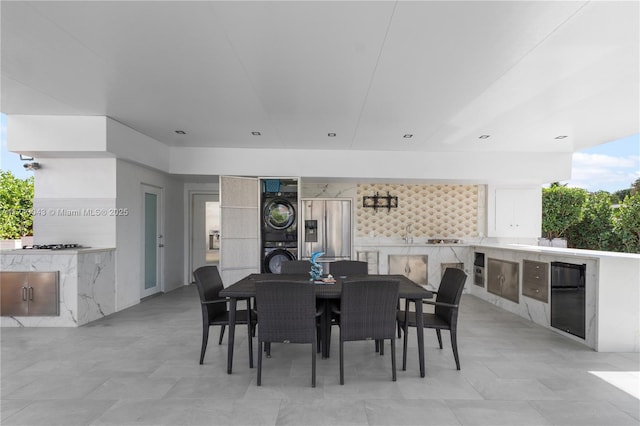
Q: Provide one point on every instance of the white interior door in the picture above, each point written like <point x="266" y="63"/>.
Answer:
<point x="152" y="237"/>
<point x="205" y="231"/>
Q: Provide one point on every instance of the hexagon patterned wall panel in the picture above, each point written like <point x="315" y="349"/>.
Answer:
<point x="447" y="211"/>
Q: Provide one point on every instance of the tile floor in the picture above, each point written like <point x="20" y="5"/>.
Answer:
<point x="140" y="367"/>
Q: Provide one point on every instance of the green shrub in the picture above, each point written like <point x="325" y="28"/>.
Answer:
<point x="16" y="206"/>
<point x="561" y="208"/>
<point x="595" y="230"/>
<point x="626" y="223"/>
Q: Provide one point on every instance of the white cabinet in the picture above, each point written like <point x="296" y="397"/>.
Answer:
<point x="515" y="212"/>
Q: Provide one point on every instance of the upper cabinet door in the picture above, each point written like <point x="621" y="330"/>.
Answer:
<point x="239" y="228"/>
<point x="515" y="212"/>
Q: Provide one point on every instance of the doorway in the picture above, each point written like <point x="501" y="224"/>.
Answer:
<point x="205" y="231"/>
<point x="152" y="237"/>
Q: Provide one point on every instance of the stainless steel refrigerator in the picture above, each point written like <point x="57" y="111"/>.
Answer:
<point x="326" y="226"/>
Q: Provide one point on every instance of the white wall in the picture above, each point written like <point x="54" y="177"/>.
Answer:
<point x="458" y="167"/>
<point x="130" y="178"/>
<point x="74" y="201"/>
<point x="43" y="134"/>
<point x="126" y="143"/>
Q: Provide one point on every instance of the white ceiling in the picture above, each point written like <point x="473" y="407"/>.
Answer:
<point x="523" y="72"/>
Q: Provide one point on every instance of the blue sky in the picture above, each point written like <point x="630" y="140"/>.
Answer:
<point x="607" y="167"/>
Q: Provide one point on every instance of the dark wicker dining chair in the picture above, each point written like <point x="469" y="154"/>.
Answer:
<point x="296" y="267"/>
<point x="368" y="312"/>
<point x="287" y="312"/>
<point x="445" y="316"/>
<point x="214" y="307"/>
<point x="348" y="268"/>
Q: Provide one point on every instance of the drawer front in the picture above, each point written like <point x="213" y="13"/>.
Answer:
<point x="535" y="280"/>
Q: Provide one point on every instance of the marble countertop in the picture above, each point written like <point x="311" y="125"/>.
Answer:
<point x="590" y="254"/>
<point x="39" y="252"/>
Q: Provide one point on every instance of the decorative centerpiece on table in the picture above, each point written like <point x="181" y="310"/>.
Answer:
<point x="316" y="267"/>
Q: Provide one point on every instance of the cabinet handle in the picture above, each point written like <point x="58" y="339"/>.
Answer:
<point x="30" y="293"/>
<point x="24" y="294"/>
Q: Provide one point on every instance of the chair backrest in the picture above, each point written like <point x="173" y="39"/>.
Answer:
<point x="295" y="267"/>
<point x="347" y="268"/>
<point x="287" y="311"/>
<point x="368" y="309"/>
<point x="450" y="291"/>
<point x="209" y="285"/>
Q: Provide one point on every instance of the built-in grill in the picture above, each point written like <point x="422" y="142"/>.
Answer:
<point x="52" y="246"/>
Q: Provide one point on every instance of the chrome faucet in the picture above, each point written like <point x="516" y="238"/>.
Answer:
<point x="407" y="234"/>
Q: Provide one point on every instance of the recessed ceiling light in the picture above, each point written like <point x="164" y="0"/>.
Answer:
<point x="256" y="133"/>
<point x="562" y="137"/>
<point x="331" y="135"/>
<point x="407" y="136"/>
<point x="484" y="136"/>
<point x="181" y="132"/>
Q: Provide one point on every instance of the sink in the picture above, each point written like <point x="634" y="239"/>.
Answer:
<point x="444" y="241"/>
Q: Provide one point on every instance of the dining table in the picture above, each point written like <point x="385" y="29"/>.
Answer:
<point x="245" y="288"/>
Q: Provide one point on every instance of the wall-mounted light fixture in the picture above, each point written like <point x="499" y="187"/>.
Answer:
<point x="31" y="166"/>
<point x="380" y="201"/>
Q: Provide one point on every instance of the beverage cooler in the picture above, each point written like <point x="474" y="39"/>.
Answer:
<point x="568" y="297"/>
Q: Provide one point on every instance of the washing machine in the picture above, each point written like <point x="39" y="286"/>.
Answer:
<point x="279" y="217"/>
<point x="275" y="253"/>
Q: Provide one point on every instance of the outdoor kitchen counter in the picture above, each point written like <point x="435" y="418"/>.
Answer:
<point x="86" y="283"/>
<point x="612" y="292"/>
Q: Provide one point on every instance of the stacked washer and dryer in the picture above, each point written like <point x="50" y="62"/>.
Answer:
<point x="279" y="224"/>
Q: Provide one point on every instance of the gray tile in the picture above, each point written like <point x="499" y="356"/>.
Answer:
<point x="322" y="412"/>
<point x="496" y="413"/>
<point x="131" y="388"/>
<point x="189" y="412"/>
<point x="229" y="387"/>
<point x="409" y="412"/>
<point x="583" y="413"/>
<point x="140" y="366"/>
<point x="58" y="412"/>
<point x="57" y="387"/>
<point x="8" y="407"/>
<point x="514" y="390"/>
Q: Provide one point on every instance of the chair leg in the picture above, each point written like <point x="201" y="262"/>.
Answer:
<point x="341" y="362"/>
<point x="267" y="349"/>
<point x="393" y="359"/>
<point x="404" y="346"/>
<point x="313" y="363"/>
<point x="398" y="322"/>
<point x="381" y="343"/>
<point x="259" y="363"/>
<point x="439" y="337"/>
<point x="205" y="339"/>
<point x="222" y="327"/>
<point x="377" y="343"/>
<point x="454" y="345"/>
